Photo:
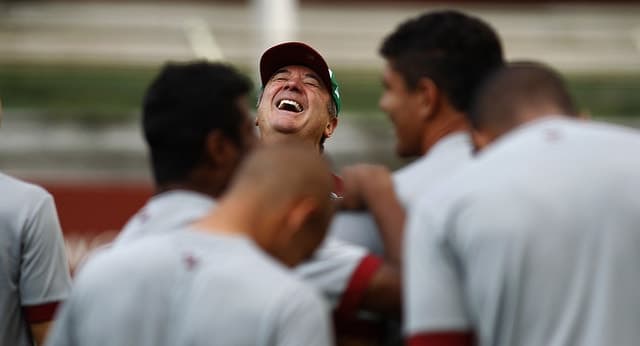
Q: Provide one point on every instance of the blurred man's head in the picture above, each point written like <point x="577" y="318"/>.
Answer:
<point x="434" y="64"/>
<point x="299" y="95"/>
<point x="197" y="125"/>
<point x="292" y="201"/>
<point x="516" y="94"/>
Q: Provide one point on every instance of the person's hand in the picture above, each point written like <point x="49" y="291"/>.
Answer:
<point x="364" y="182"/>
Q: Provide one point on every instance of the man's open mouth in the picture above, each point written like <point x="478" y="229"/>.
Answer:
<point x="289" y="105"/>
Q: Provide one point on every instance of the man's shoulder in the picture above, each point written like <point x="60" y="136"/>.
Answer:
<point x="14" y="189"/>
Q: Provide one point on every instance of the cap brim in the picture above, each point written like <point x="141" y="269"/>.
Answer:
<point x="293" y="53"/>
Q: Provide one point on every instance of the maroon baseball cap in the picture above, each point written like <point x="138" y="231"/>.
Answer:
<point x="298" y="53"/>
<point x="293" y="53"/>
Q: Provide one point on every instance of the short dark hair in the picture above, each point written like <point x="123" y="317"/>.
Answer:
<point x="182" y="106"/>
<point x="519" y="87"/>
<point x="454" y="50"/>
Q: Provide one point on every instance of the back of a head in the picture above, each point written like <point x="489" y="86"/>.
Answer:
<point x="458" y="52"/>
<point x="517" y="93"/>
<point x="284" y="170"/>
<point x="182" y="106"/>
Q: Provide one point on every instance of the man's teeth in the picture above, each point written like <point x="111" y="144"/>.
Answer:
<point x="290" y="105"/>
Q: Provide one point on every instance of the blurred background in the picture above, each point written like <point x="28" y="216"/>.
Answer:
<point x="72" y="76"/>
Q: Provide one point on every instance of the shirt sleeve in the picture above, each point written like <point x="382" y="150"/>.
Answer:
<point x="303" y="319"/>
<point x="432" y="286"/>
<point x="359" y="228"/>
<point x="62" y="332"/>
<point x="44" y="272"/>
<point x="340" y="271"/>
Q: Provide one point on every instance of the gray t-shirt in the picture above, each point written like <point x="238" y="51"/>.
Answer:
<point x="333" y="268"/>
<point x="34" y="274"/>
<point x="190" y="288"/>
<point x="537" y="242"/>
<point x="410" y="182"/>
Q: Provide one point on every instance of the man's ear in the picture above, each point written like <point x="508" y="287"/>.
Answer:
<point x="429" y="94"/>
<point x="299" y="214"/>
<point x="288" y="242"/>
<point x="331" y="126"/>
<point x="219" y="148"/>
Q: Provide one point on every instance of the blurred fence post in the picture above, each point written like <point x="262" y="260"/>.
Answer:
<point x="276" y="21"/>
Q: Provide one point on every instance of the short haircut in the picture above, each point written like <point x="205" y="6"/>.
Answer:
<point x="517" y="88"/>
<point x="185" y="103"/>
<point x="454" y="50"/>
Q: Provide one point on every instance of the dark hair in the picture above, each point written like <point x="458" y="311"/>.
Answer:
<point x="454" y="50"/>
<point x="516" y="88"/>
<point x="182" y="106"/>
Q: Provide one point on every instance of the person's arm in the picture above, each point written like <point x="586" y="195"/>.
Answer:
<point x="39" y="331"/>
<point x="383" y="293"/>
<point x="371" y="187"/>
<point x="44" y="274"/>
<point x="434" y="308"/>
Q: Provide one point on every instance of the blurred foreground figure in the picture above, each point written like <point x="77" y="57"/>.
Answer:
<point x="34" y="274"/>
<point x="212" y="282"/>
<point x="537" y="241"/>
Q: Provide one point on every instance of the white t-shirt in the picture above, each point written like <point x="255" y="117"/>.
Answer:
<point x="537" y="242"/>
<point x="337" y="269"/>
<point x="34" y="274"/>
<point x="190" y="288"/>
<point x="445" y="158"/>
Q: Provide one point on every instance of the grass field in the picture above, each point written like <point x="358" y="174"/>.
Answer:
<point x="104" y="94"/>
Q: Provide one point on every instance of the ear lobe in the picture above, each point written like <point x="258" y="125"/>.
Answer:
<point x="331" y="126"/>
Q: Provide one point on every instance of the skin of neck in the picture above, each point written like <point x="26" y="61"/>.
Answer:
<point x="277" y="137"/>
<point x="230" y="216"/>
<point x="447" y="120"/>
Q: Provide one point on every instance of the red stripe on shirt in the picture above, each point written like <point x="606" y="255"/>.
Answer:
<point x="357" y="286"/>
<point x="40" y="313"/>
<point x="442" y="339"/>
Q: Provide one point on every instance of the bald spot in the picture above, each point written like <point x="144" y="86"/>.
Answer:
<point x="278" y="173"/>
<point x="518" y="93"/>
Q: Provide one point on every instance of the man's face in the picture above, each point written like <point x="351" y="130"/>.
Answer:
<point x="295" y="102"/>
<point x="402" y="106"/>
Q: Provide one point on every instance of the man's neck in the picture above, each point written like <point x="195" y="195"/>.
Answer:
<point x="227" y="218"/>
<point x="441" y="126"/>
<point x="204" y="187"/>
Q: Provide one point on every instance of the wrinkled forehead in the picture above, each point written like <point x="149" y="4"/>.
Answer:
<point x="299" y="69"/>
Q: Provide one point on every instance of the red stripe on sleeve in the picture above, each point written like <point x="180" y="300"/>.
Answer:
<point x="442" y="339"/>
<point x="357" y="285"/>
<point x="40" y="313"/>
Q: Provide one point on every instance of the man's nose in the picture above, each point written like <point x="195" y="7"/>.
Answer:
<point x="293" y="83"/>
